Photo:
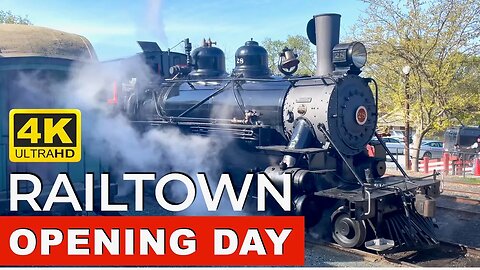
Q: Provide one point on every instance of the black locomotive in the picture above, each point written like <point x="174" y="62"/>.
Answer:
<point x="316" y="128"/>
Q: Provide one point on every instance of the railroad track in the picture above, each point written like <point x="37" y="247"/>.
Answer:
<point x="468" y="206"/>
<point x="366" y="255"/>
<point x="469" y="251"/>
<point x="444" y="255"/>
<point x="463" y="184"/>
<point x="477" y="194"/>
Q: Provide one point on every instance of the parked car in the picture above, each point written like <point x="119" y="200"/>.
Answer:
<point x="395" y="145"/>
<point x="430" y="149"/>
<point x="397" y="133"/>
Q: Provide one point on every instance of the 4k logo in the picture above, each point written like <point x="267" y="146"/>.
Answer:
<point x="45" y="135"/>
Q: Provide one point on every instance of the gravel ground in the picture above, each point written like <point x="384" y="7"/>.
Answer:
<point x="458" y="227"/>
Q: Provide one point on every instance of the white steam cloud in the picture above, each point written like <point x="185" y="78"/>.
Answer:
<point x="113" y="138"/>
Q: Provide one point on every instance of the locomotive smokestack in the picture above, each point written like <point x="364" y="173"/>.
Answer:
<point x="324" y="31"/>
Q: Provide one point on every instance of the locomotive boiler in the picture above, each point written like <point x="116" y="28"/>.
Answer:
<point x="316" y="128"/>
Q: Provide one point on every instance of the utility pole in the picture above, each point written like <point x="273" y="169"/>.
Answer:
<point x="406" y="72"/>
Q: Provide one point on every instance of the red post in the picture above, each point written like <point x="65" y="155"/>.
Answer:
<point x="477" y="167"/>
<point x="425" y="164"/>
<point x="446" y="161"/>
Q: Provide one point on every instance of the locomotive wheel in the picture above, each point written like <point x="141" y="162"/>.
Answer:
<point x="346" y="231"/>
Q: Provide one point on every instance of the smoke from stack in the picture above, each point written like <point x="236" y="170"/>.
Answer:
<point x="153" y="21"/>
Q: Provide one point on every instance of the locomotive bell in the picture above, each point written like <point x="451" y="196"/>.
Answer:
<point x="288" y="61"/>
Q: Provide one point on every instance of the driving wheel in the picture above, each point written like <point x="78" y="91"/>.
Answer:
<point x="346" y="231"/>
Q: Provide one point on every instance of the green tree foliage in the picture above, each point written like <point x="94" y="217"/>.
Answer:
<point x="9" y="17"/>
<point x="300" y="45"/>
<point x="438" y="39"/>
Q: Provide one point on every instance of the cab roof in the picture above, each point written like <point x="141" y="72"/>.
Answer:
<point x="17" y="40"/>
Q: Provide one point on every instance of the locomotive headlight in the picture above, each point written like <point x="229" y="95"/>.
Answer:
<point x="349" y="55"/>
<point x="359" y="54"/>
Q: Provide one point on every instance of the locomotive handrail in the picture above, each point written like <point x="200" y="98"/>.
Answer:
<point x="376" y="92"/>
<point x="221" y="89"/>
<point x="294" y="80"/>
<point x="369" y="204"/>
<point x="389" y="186"/>
<point x="403" y="181"/>
<point x="176" y="119"/>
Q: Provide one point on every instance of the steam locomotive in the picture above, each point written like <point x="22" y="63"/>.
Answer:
<point x="315" y="128"/>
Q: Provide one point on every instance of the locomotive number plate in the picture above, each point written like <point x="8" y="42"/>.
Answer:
<point x="339" y="56"/>
<point x="45" y="135"/>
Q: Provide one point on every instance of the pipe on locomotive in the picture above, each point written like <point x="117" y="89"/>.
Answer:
<point x="327" y="35"/>
<point x="301" y="136"/>
<point x="326" y="28"/>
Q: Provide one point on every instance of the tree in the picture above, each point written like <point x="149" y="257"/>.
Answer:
<point x="300" y="45"/>
<point x="9" y="17"/>
<point x="438" y="40"/>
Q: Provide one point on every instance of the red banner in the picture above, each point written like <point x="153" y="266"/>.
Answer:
<point x="152" y="241"/>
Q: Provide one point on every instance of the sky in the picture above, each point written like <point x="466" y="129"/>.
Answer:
<point x="114" y="26"/>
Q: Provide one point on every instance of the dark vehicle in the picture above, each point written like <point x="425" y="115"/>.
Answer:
<point x="316" y="129"/>
<point x="458" y="140"/>
<point x="48" y="55"/>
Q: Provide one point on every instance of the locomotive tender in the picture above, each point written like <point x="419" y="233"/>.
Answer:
<point x="316" y="128"/>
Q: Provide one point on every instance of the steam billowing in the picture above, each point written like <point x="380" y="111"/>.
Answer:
<point x="112" y="137"/>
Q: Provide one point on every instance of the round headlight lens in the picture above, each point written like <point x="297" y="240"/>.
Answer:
<point x="359" y="55"/>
